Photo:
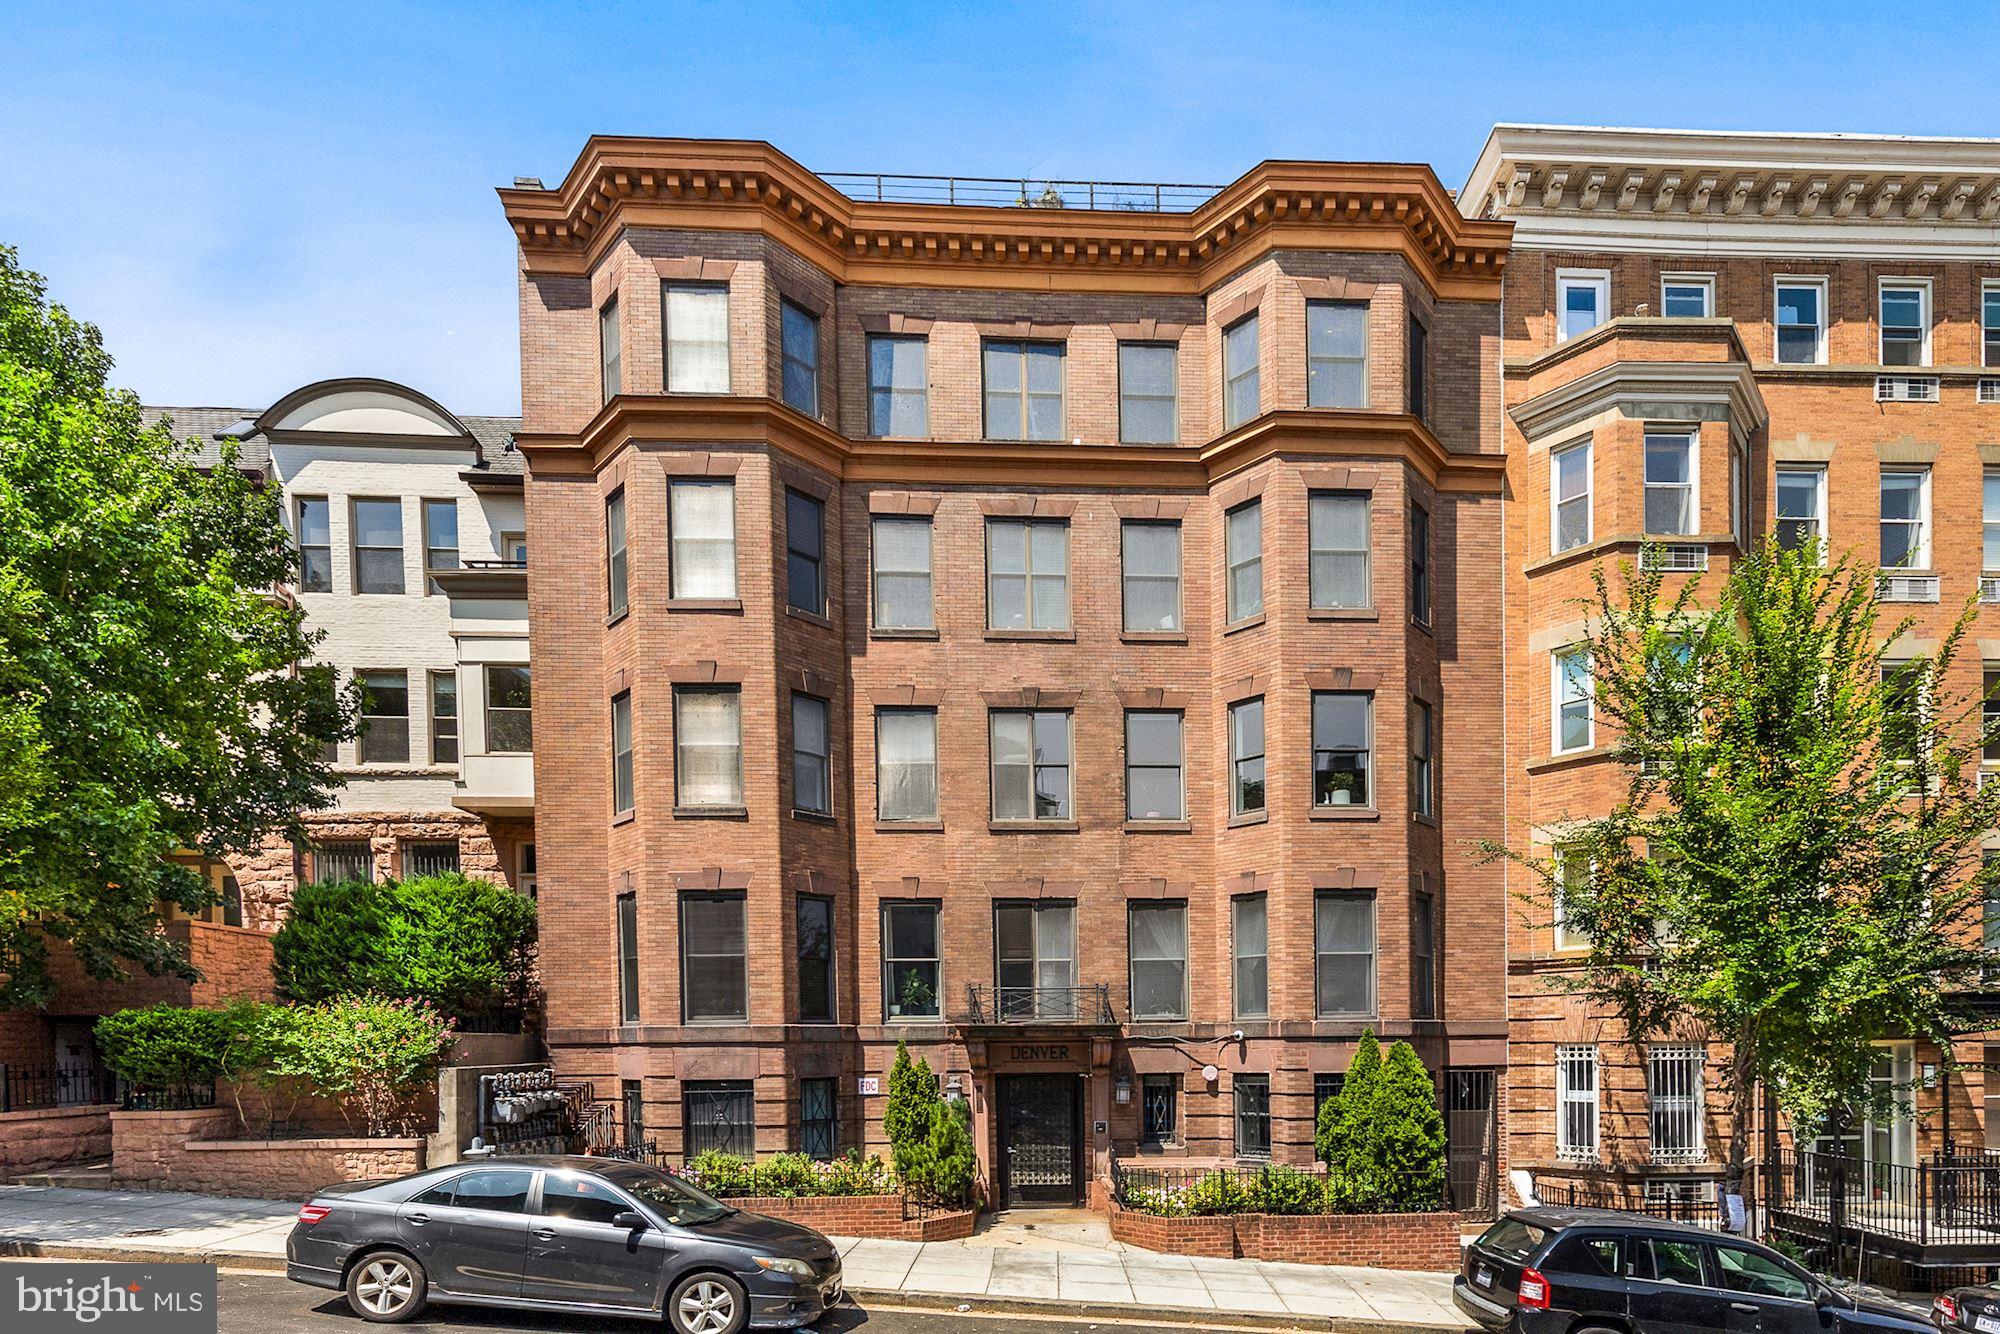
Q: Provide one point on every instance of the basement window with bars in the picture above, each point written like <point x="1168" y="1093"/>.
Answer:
<point x="720" y="1116"/>
<point x="431" y="858"/>
<point x="1673" y="1093"/>
<point x="1576" y="1104"/>
<point x="351" y="859"/>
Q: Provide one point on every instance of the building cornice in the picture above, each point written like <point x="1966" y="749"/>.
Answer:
<point x="737" y="422"/>
<point x="1671" y="388"/>
<point x="1740" y="194"/>
<point x="751" y="186"/>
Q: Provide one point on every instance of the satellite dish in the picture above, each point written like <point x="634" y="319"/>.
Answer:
<point x="1210" y="1073"/>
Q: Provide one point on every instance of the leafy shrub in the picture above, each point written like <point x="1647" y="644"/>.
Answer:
<point x="1284" y="1190"/>
<point x="854" y="1175"/>
<point x="721" y="1173"/>
<point x="463" y="944"/>
<point x="785" y="1175"/>
<point x="1341" y="1123"/>
<point x="1382" y="1137"/>
<point x="906" y="1115"/>
<point x="941" y="1167"/>
<point x="789" y="1175"/>
<point x="166" y="1044"/>
<point x="1216" y="1193"/>
<point x="373" y="1054"/>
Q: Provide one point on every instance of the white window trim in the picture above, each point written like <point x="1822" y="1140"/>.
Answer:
<point x="1570" y="1057"/>
<point x="1692" y="435"/>
<point x="1799" y="280"/>
<point x="1695" y="1100"/>
<point x="1923" y="562"/>
<point x="1562" y="938"/>
<point x="1819" y="498"/>
<point x="1599" y="279"/>
<point x="1990" y="287"/>
<point x="1705" y="281"/>
<point x="1556" y="660"/>
<point x="1589" y="495"/>
<point x="1922" y="286"/>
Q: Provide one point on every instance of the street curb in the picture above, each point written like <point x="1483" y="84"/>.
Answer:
<point x="1130" y="1311"/>
<point x="17" y="1249"/>
<point x="923" y="1301"/>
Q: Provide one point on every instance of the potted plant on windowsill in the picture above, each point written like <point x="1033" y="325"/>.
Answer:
<point x="917" y="997"/>
<point x="1340" y="788"/>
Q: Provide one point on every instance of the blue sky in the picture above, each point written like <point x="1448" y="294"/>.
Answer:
<point x="245" y="203"/>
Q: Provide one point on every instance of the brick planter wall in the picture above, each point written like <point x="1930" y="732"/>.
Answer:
<point x="44" y="1137"/>
<point x="1387" y="1241"/>
<point x="191" y="1151"/>
<point x="859" y="1216"/>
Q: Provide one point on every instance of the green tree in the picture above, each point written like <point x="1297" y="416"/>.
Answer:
<point x="330" y="942"/>
<point x="1794" y="867"/>
<point x="151" y="699"/>
<point x="1408" y="1131"/>
<point x="906" y="1114"/>
<point x="1341" y="1125"/>
<point x="166" y="1044"/>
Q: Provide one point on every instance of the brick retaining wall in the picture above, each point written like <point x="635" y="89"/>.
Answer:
<point x="859" y="1216"/>
<point x="192" y="1151"/>
<point x="1388" y="1241"/>
<point x="43" y="1137"/>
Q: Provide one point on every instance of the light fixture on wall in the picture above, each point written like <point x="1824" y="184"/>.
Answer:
<point x="1210" y="1073"/>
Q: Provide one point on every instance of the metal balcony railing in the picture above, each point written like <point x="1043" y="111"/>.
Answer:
<point x="1089" y="1004"/>
<point x="1021" y="192"/>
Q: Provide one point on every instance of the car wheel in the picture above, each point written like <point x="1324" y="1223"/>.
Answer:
<point x="708" y="1304"/>
<point x="386" y="1287"/>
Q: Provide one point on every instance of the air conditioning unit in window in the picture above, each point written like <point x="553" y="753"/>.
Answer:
<point x="1906" y="389"/>
<point x="1989" y="389"/>
<point x="1675" y="558"/>
<point x="1906" y="588"/>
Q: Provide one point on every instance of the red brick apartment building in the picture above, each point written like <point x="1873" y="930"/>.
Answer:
<point x="1710" y="337"/>
<point x="1064" y="637"/>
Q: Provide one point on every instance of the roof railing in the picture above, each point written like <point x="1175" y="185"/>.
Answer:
<point x="1021" y="192"/>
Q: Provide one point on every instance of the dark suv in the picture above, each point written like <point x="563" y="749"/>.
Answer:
<point x="1568" y="1271"/>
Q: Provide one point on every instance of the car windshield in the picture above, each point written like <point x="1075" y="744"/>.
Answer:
<point x="673" y="1199"/>
<point x="1513" y="1238"/>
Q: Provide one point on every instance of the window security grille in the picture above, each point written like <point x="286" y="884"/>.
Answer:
<point x="1576" y="1104"/>
<point x="1907" y="588"/>
<point x="1674" y="1094"/>
<point x="1677" y="558"/>
<point x="1906" y="389"/>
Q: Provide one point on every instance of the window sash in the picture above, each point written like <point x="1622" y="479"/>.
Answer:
<point x="378" y="545"/>
<point x="702" y="523"/>
<point x="440" y="539"/>
<point x="1570" y="496"/>
<point x="1420" y="565"/>
<point x="1339" y="533"/>
<point x="719" y="1116"/>
<point x="610" y="360"/>
<point x="1157" y="954"/>
<point x="1675" y="1103"/>
<point x="1903" y="312"/>
<point x="614" y="552"/>
<point x="1576" y="1103"/>
<point x="1343" y="953"/>
<point x="1023" y="389"/>
<point x="621" y="752"/>
<point x="628" y="958"/>
<point x="1671" y="482"/>
<point x="1246" y="756"/>
<point x="906" y="777"/>
<point x="1034" y="960"/>
<point x="1030" y="752"/>
<point x="1423" y="957"/>
<point x="1574" y="724"/>
<point x="1687" y="298"/>
<point x="1250" y="947"/>
<point x="1148" y="393"/>
<point x="385" y="717"/>
<point x="510" y="704"/>
<point x="315" y="534"/>
<point x="1154" y="777"/>
<point x="798" y="340"/>
<point x="1243" y="536"/>
<point x="912" y="966"/>
<point x="805" y="553"/>
<point x="444" y="717"/>
<point x="1159" y="1109"/>
<point x="1582" y="302"/>
<point x="1150" y="561"/>
<point x="1905" y="523"/>
<point x="1989" y="317"/>
<point x="898" y="385"/>
<point x="708" y="748"/>
<point x="1417" y="369"/>
<point x="1253" y="1116"/>
<point x="812" y="768"/>
<point x="697" y="338"/>
<point x="715" y="961"/>
<point x="1799" y="317"/>
<point x="813" y="923"/>
<point x="1240" y="372"/>
<point x="1027" y="574"/>
<point x="1423" y="785"/>
<point x="1343" y="727"/>
<point x="1801" y="506"/>
<point x="819" y="1118"/>
<point x="901" y="547"/>
<point x="1337" y="354"/>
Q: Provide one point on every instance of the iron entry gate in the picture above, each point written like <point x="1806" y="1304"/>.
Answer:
<point x="1039" y="1139"/>
<point x="1472" y="1134"/>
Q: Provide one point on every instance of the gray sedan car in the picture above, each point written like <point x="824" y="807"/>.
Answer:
<point x="561" y="1234"/>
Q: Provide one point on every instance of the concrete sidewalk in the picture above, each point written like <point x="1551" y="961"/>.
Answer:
<point x="1015" y="1262"/>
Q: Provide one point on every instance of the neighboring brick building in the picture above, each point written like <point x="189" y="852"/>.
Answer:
<point x="1791" y="331"/>
<point x="962" y="551"/>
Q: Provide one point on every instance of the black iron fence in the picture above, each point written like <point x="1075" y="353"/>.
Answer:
<point x="1274" y="1188"/>
<point x="1943" y="1204"/>
<point x="1089" y="1004"/>
<point x="168" y="1097"/>
<point x="36" y="1088"/>
<point x="1679" y="1202"/>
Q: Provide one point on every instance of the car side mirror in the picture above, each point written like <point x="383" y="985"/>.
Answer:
<point x="629" y="1219"/>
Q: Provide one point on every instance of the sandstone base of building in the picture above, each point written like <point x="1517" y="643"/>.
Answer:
<point x="269" y="876"/>
<point x="41" y="1138"/>
<point x="1383" y="1241"/>
<point x="192" y="1151"/>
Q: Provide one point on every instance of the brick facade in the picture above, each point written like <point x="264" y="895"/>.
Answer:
<point x="1379" y="1241"/>
<point x="1070" y="278"/>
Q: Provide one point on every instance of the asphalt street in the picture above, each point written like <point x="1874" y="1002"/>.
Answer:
<point x="267" y="1304"/>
